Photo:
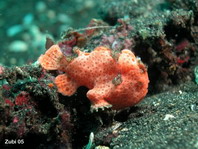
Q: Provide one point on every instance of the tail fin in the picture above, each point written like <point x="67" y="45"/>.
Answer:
<point x="51" y="59"/>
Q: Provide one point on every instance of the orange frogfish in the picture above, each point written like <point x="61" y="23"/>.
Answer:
<point x="112" y="82"/>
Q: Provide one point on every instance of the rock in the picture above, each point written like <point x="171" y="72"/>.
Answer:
<point x="13" y="30"/>
<point x="18" y="46"/>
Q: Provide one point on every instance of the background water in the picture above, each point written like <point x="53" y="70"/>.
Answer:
<point x="25" y="25"/>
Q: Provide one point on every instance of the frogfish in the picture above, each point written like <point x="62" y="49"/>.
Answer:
<point x="113" y="81"/>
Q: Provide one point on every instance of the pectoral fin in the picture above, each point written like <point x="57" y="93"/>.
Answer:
<point x="65" y="85"/>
